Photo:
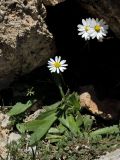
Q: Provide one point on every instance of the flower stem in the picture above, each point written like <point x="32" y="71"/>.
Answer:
<point x="61" y="91"/>
<point x="59" y="82"/>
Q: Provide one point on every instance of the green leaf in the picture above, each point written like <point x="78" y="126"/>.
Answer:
<point x="70" y="123"/>
<point x="87" y="121"/>
<point x="29" y="126"/>
<point x="79" y="119"/>
<point x="33" y="125"/>
<point x="61" y="128"/>
<point x="64" y="122"/>
<point x="74" y="100"/>
<point x="42" y="118"/>
<point x="21" y="127"/>
<point x="106" y="131"/>
<point x="54" y="131"/>
<point x="54" y="138"/>
<point x="47" y="113"/>
<point x="53" y="106"/>
<point x="42" y="129"/>
<point x="19" y="108"/>
<point x="73" y="125"/>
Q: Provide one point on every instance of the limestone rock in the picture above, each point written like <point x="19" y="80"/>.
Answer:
<point x="52" y="2"/>
<point x="4" y="120"/>
<point x="114" y="155"/>
<point x="86" y="101"/>
<point x="25" y="41"/>
<point x="13" y="137"/>
<point x="5" y="136"/>
<point x="4" y="132"/>
<point x="3" y="142"/>
<point x="107" y="109"/>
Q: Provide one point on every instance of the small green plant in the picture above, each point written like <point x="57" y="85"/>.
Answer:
<point x="61" y="119"/>
<point x="68" y="148"/>
<point x="30" y="92"/>
<point x="21" y="150"/>
<point x="64" y="113"/>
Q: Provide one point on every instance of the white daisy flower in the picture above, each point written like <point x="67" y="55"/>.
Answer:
<point x="57" y="65"/>
<point x="84" y="29"/>
<point x="98" y="29"/>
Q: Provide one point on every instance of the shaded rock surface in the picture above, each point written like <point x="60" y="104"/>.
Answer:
<point x="52" y="2"/>
<point x="25" y="41"/>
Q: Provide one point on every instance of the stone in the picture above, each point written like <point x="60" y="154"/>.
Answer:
<point x="87" y="102"/>
<point x="25" y="41"/>
<point x="3" y="142"/>
<point x="107" y="109"/>
<point x="13" y="137"/>
<point x="114" y="155"/>
<point x="5" y="136"/>
<point x="4" y="132"/>
<point x="4" y="120"/>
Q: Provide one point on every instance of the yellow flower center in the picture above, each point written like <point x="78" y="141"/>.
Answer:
<point x="87" y="28"/>
<point x="57" y="64"/>
<point x="97" y="28"/>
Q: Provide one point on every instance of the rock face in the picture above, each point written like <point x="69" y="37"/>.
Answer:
<point x="25" y="42"/>
<point x="52" y="2"/>
<point x="109" y="10"/>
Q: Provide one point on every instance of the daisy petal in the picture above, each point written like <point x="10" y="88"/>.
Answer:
<point x="63" y="62"/>
<point x="52" y="60"/>
<point x="59" y="59"/>
<point x="58" y="71"/>
<point x="64" y="65"/>
<point x="56" y="59"/>
<point x="84" y="22"/>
